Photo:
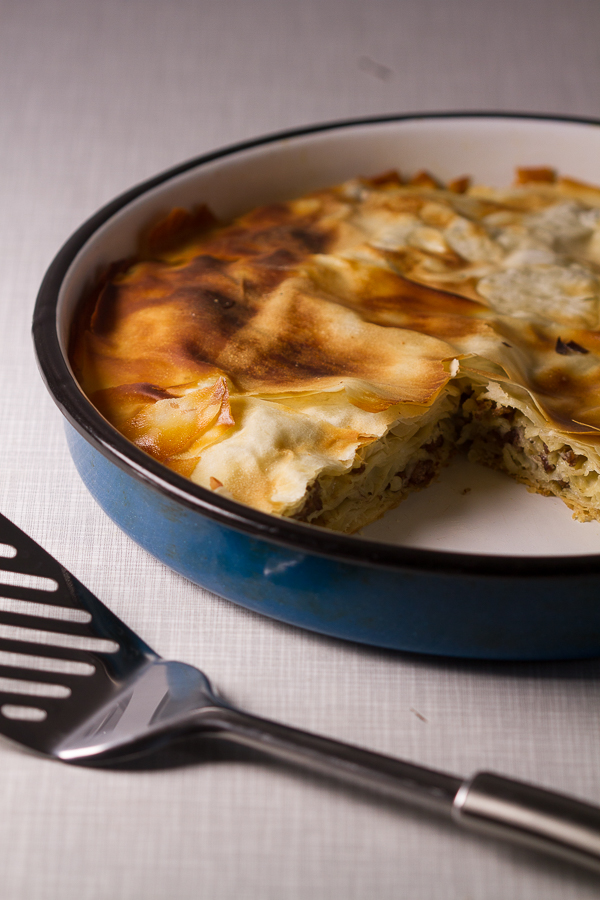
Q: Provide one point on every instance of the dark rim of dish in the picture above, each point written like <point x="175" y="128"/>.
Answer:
<point x="87" y="420"/>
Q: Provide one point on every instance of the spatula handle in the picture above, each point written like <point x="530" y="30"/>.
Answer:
<point x="532" y="816"/>
<point x="487" y="803"/>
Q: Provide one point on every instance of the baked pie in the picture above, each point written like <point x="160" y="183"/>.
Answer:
<point x="323" y="357"/>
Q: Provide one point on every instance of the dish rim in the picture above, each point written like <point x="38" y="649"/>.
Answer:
<point x="297" y="536"/>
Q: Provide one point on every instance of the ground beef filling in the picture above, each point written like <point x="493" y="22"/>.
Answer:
<point x="424" y="466"/>
<point x="494" y="435"/>
<point x="504" y="438"/>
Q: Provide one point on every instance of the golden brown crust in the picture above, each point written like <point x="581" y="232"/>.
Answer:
<point x="371" y="289"/>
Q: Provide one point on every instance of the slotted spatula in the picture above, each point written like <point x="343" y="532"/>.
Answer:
<point x="78" y="685"/>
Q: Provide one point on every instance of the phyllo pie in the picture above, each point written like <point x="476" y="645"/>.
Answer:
<point x="322" y="358"/>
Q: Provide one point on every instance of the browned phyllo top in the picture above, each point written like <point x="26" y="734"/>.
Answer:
<point x="320" y="358"/>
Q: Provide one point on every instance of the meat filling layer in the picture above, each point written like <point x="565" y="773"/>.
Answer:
<point x="495" y="434"/>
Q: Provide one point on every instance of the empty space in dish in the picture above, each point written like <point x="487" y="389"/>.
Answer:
<point x="473" y="509"/>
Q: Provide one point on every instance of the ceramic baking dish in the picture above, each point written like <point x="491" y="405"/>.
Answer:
<point x="458" y="584"/>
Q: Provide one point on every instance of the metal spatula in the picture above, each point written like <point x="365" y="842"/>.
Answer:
<point x="77" y="684"/>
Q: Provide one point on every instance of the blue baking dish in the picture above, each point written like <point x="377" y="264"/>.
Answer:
<point x="388" y="593"/>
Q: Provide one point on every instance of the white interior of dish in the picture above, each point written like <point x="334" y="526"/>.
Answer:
<point x="470" y="509"/>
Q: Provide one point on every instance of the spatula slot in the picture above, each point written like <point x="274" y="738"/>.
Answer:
<point x="44" y="611"/>
<point x="7" y="551"/>
<point x="23" y="713"/>
<point x="46" y="664"/>
<point x="22" y="579"/>
<point x="34" y="688"/>
<point x="55" y="639"/>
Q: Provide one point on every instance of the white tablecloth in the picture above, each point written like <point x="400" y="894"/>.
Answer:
<point x="94" y="97"/>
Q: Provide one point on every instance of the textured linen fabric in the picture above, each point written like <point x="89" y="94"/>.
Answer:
<point x="94" y="97"/>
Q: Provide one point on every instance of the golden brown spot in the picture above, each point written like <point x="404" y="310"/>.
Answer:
<point x="459" y="185"/>
<point x="389" y="178"/>
<point x="537" y="174"/>
<point x="424" y="179"/>
<point x="176" y="229"/>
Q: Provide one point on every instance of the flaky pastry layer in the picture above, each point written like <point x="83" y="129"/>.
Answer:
<point x="322" y="358"/>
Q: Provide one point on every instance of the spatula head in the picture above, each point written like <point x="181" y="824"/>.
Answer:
<point x="63" y="655"/>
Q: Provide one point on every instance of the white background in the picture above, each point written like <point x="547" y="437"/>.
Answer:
<point x="94" y="97"/>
